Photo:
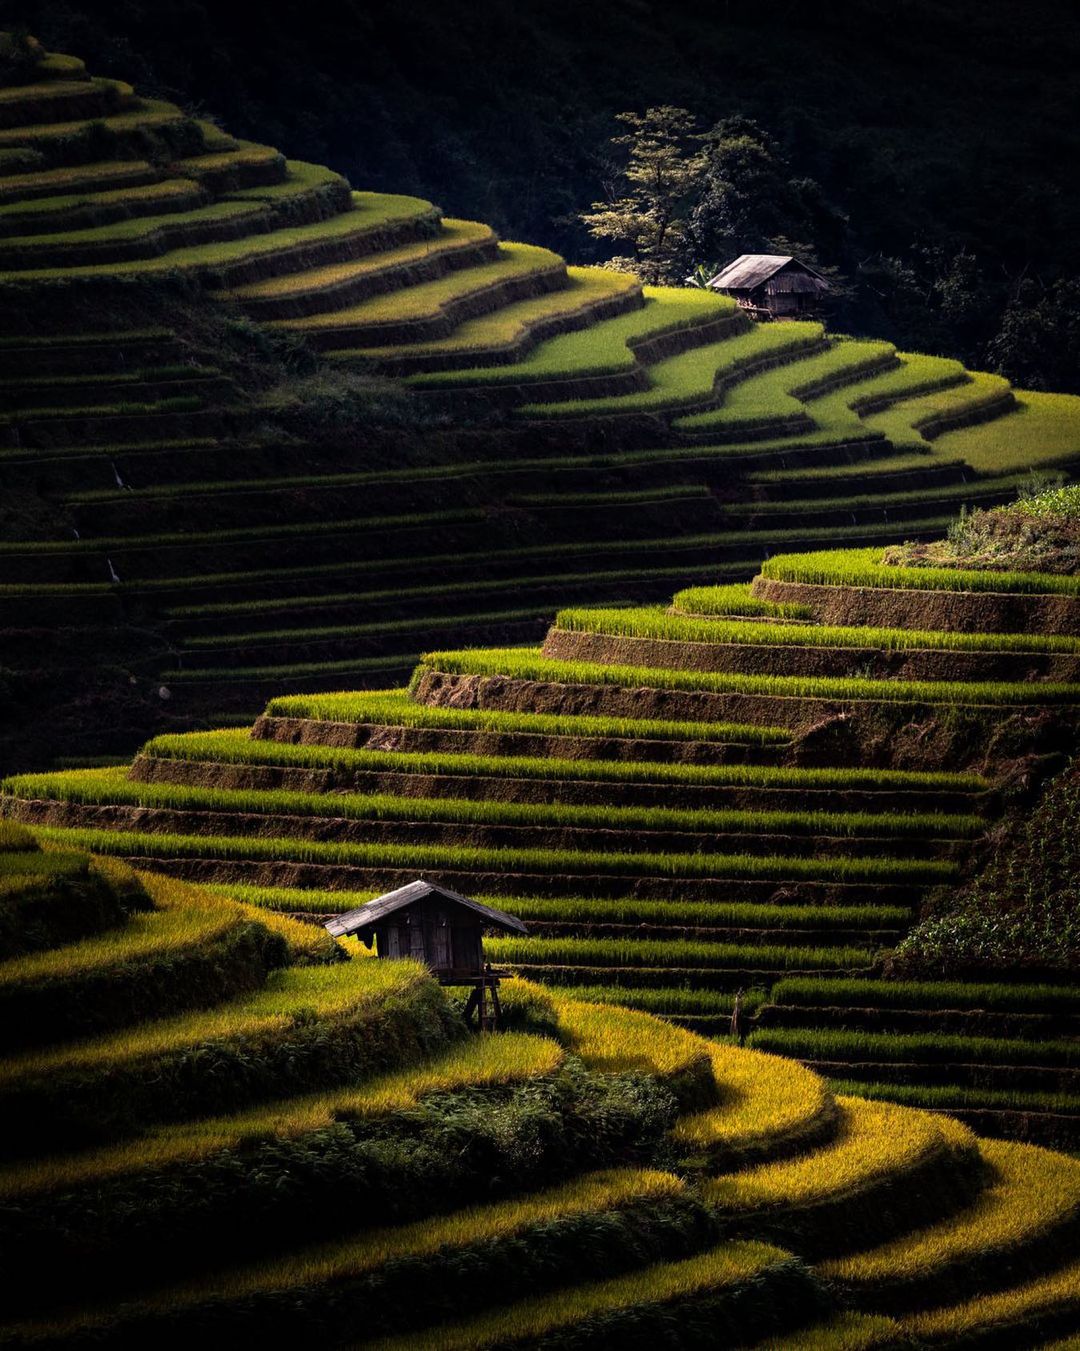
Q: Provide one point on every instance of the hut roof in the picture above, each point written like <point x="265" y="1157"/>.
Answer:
<point x="751" y="270"/>
<point x="365" y="917"/>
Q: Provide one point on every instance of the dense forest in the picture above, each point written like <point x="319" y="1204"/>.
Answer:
<point x="931" y="181"/>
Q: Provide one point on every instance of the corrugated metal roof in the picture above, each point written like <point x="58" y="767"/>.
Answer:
<point x="366" y="916"/>
<point x="749" y="270"/>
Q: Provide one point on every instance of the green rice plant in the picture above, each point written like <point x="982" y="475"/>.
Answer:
<point x="734" y="599"/>
<point x="47" y="899"/>
<point x="22" y="863"/>
<point x="140" y="229"/>
<point x="873" y="1143"/>
<point x="1042" y="430"/>
<point x="372" y="212"/>
<point x="429" y="300"/>
<point x="867" y="471"/>
<point x="662" y="1002"/>
<point x="242" y="154"/>
<point x="1032" y="1193"/>
<point x="691" y="377"/>
<point x="959" y="1097"/>
<point x="395" y="708"/>
<point x="373" y="1270"/>
<point x="475" y="1063"/>
<point x="653" y="622"/>
<point x="164" y="191"/>
<point x="676" y="953"/>
<point x="611" y="1311"/>
<point x="557" y="862"/>
<point x="916" y="374"/>
<point x="1018" y="1310"/>
<point x="232" y="747"/>
<point x="703" y="914"/>
<point x="453" y="235"/>
<point x="381" y="627"/>
<point x="507" y="332"/>
<point x="15" y="839"/>
<point x="563" y="550"/>
<point x="979" y="396"/>
<point x="779" y="392"/>
<point x="863" y="567"/>
<point x="819" y="1043"/>
<point x="300" y="181"/>
<point x="385" y="666"/>
<point x="604" y="348"/>
<point x="292" y="900"/>
<point x="112" y="785"/>
<point x="530" y="664"/>
<point x="989" y="490"/>
<point x="811" y="992"/>
<point x="683" y="953"/>
<point x="589" y="910"/>
<point x="151" y="115"/>
<point x="249" y="532"/>
<point x="74" y="178"/>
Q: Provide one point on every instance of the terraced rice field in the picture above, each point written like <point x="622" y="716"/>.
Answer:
<point x="607" y="443"/>
<point x="161" y="1142"/>
<point x="638" y="791"/>
<point x="725" y="808"/>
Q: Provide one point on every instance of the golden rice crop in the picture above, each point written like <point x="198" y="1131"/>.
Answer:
<point x="171" y="928"/>
<point x="615" y="1040"/>
<point x="1012" y="1308"/>
<point x="873" y="1141"/>
<point x="762" y="1097"/>
<point x="343" y="1259"/>
<point x="326" y="991"/>
<point x="728" y="1265"/>
<point x="1032" y="1191"/>
<point x="508" y="1058"/>
<point x="846" y="1332"/>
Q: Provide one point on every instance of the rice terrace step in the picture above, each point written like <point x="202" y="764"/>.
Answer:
<point x="715" y="673"/>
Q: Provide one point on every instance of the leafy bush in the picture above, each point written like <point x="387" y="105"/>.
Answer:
<point x="1023" y="909"/>
<point x="201" y="1203"/>
<point x="1039" y="533"/>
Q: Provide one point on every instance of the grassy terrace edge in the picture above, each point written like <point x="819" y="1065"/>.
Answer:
<point x="863" y="567"/>
<point x="530" y="664"/>
<point x="236" y="747"/>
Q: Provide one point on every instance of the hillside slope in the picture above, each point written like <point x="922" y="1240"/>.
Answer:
<point x="754" y="790"/>
<point x="190" y="531"/>
<point x="267" y="1134"/>
<point x="941" y="124"/>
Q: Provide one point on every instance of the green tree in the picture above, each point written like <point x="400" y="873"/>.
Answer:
<point x="1037" y="344"/>
<point x="651" y="195"/>
<point x="750" y="201"/>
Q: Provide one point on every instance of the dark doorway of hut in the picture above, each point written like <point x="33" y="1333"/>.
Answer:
<point x="442" y="929"/>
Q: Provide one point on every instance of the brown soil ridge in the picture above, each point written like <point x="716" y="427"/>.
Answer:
<point x="346" y="830"/>
<point x="877" y="734"/>
<point x="791" y="660"/>
<point x="467" y="741"/>
<point x="911" y="608"/>
<point x="585" y="792"/>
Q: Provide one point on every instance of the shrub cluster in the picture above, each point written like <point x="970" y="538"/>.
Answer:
<point x="1038" y="533"/>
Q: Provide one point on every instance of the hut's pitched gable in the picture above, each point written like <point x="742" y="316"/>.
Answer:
<point x="365" y="918"/>
<point x="773" y="283"/>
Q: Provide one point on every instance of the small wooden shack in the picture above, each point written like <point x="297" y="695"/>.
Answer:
<point x="436" y="926"/>
<point x="772" y="285"/>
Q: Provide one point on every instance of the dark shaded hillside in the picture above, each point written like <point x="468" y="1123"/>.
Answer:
<point x="941" y="124"/>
